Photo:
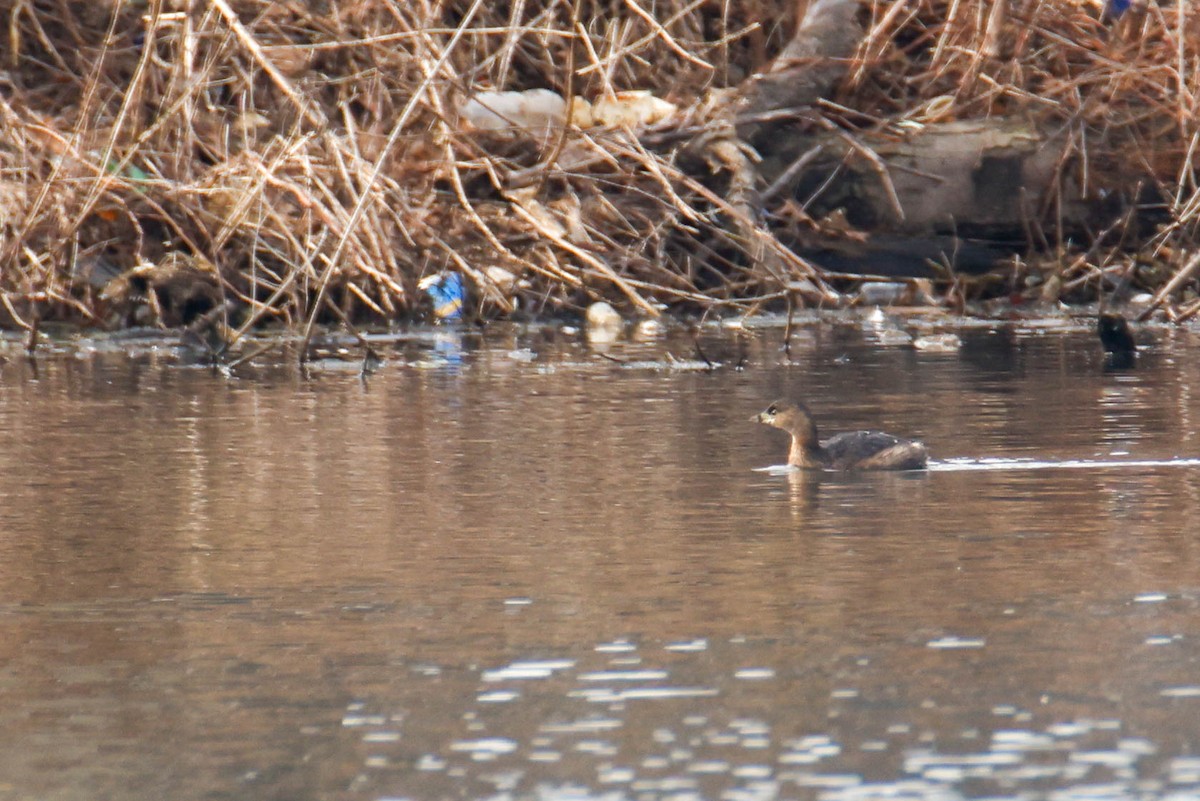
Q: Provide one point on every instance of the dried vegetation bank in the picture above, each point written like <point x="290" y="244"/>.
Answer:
<point x="174" y="163"/>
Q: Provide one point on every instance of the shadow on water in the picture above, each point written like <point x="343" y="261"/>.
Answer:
<point x="505" y="568"/>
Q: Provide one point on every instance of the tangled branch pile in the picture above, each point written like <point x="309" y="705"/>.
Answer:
<point x="295" y="161"/>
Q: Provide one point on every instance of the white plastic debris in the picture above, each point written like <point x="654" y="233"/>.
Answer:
<point x="631" y="108"/>
<point x="540" y="111"/>
<point x="503" y="280"/>
<point x="602" y="315"/>
<point x="536" y="111"/>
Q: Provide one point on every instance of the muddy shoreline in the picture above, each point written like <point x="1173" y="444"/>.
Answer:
<point x="672" y="344"/>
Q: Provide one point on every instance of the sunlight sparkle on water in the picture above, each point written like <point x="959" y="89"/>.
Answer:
<point x="952" y="642"/>
<point x="754" y="673"/>
<point x="688" y="646"/>
<point x="529" y="670"/>
<point x="489" y="746"/>
<point x="607" y="696"/>
<point x="623" y="675"/>
<point x="590" y="725"/>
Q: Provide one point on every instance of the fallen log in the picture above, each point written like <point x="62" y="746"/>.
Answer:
<point x="977" y="177"/>
<point x="963" y="194"/>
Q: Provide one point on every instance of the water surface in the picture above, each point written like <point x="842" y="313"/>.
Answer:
<point x="505" y="567"/>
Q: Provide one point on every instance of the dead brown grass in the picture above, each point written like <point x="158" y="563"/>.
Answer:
<point x="301" y="162"/>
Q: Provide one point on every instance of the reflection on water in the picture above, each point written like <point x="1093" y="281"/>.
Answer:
<point x="503" y="567"/>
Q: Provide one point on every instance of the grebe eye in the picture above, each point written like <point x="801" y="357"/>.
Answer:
<point x="771" y="409"/>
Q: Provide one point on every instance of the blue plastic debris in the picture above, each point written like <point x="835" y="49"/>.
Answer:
<point x="447" y="292"/>
<point x="1116" y="8"/>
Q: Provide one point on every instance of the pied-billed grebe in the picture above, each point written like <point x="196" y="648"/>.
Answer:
<point x="856" y="450"/>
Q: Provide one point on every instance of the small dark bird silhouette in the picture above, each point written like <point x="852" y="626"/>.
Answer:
<point x="1117" y="340"/>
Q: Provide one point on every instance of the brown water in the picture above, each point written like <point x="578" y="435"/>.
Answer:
<point x="504" y="567"/>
